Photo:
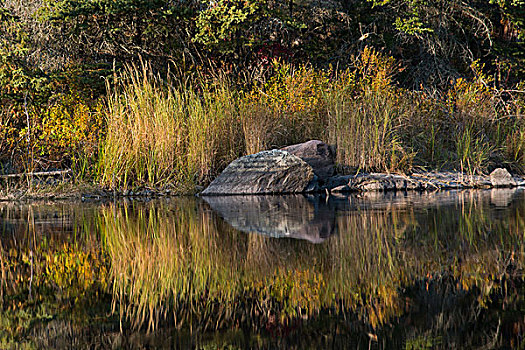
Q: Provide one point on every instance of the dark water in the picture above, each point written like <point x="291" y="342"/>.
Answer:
<point x="412" y="271"/>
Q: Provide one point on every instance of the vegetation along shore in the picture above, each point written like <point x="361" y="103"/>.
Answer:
<point x="142" y="97"/>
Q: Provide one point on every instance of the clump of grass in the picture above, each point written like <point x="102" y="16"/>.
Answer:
<point x="473" y="152"/>
<point x="515" y="147"/>
<point x="157" y="133"/>
<point x="161" y="133"/>
<point x="288" y="108"/>
<point x="145" y="132"/>
<point x="367" y="133"/>
<point x="366" y="118"/>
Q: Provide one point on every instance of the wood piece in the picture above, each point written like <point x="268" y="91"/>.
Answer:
<point x="38" y="173"/>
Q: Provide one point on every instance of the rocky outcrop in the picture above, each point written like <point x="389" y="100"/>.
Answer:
<point x="309" y="167"/>
<point x="365" y="182"/>
<point x="318" y="155"/>
<point x="291" y="216"/>
<point x="266" y="172"/>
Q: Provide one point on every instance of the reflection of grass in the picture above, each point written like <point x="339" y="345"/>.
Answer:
<point x="154" y="260"/>
<point x="177" y="262"/>
<point x="47" y="274"/>
<point x="173" y="261"/>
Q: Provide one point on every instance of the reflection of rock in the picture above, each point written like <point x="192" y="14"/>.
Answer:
<point x="312" y="217"/>
<point x="502" y="197"/>
<point x="264" y="172"/>
<point x="317" y="154"/>
<point x="501" y="178"/>
<point x="291" y="216"/>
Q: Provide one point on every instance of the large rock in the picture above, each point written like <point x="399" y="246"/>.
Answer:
<point x="316" y="153"/>
<point x="265" y="172"/>
<point x="501" y="178"/>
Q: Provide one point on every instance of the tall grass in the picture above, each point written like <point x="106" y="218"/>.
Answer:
<point x="473" y="152"/>
<point x="367" y="132"/>
<point x="145" y="128"/>
<point x="157" y="133"/>
<point x="515" y="146"/>
<point x="166" y="132"/>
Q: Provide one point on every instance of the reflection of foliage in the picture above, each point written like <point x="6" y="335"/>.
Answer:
<point x="217" y="280"/>
<point x="74" y="272"/>
<point x="434" y="273"/>
<point x="47" y="281"/>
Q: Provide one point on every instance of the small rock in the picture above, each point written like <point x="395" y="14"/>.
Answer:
<point x="397" y="182"/>
<point x="337" y="181"/>
<point x="500" y="177"/>
<point x="380" y="182"/>
<point x="342" y="188"/>
<point x="313" y="186"/>
<point x="374" y="185"/>
<point x="481" y="182"/>
<point x="520" y="181"/>
<point x="412" y="184"/>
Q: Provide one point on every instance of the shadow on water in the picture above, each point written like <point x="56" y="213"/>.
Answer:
<point x="413" y="270"/>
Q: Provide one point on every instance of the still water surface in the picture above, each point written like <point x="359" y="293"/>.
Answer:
<point x="411" y="271"/>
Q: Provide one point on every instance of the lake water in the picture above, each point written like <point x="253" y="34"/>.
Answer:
<point x="370" y="271"/>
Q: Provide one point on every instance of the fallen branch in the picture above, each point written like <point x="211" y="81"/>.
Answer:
<point x="39" y="173"/>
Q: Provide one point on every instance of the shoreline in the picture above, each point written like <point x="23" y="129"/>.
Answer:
<point x="65" y="190"/>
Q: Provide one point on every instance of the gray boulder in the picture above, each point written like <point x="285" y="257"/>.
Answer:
<point x="266" y="172"/>
<point x="501" y="178"/>
<point x="317" y="154"/>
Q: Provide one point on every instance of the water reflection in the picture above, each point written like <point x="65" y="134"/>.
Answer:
<point x="313" y="217"/>
<point x="395" y="270"/>
<point x="292" y="216"/>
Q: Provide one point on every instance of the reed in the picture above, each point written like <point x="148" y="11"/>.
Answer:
<point x="158" y="133"/>
<point x="162" y="132"/>
<point x="368" y="132"/>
